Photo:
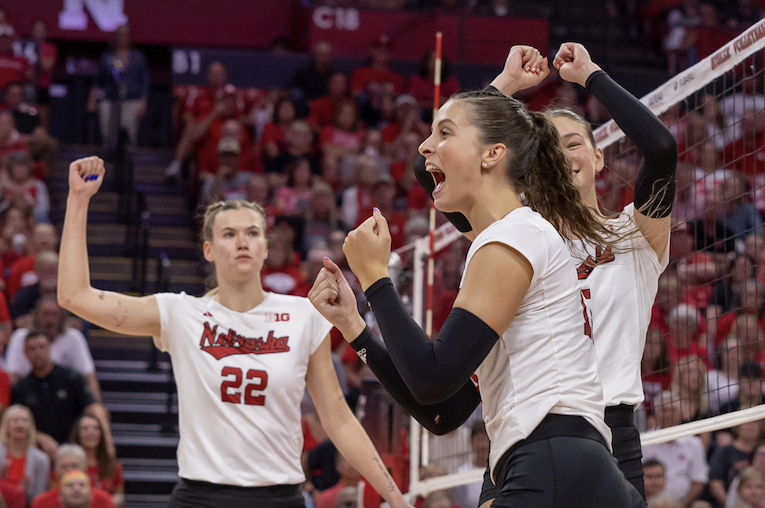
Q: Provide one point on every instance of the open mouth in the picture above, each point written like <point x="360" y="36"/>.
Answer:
<point x="438" y="176"/>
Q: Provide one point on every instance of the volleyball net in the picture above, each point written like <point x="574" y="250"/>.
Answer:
<point x="705" y="349"/>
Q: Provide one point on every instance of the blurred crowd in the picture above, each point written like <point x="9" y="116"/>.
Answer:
<point x="319" y="153"/>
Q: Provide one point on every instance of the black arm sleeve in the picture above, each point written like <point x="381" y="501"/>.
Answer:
<point x="440" y="418"/>
<point x="426" y="182"/>
<point x="655" y="182"/>
<point x="433" y="371"/>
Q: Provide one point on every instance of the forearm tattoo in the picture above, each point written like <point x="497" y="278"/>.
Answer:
<point x="391" y="485"/>
<point x="119" y="314"/>
<point x="101" y="296"/>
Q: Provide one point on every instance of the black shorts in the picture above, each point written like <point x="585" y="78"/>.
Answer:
<point x="564" y="463"/>
<point x="196" y="494"/>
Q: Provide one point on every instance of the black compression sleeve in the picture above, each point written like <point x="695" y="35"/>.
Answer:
<point x="426" y="182"/>
<point x="433" y="371"/>
<point x="655" y="182"/>
<point x="440" y="418"/>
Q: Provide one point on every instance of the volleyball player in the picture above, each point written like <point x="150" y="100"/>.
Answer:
<point x="242" y="358"/>
<point x="618" y="286"/>
<point x="517" y="320"/>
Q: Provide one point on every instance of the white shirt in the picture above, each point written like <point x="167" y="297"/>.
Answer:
<point x="240" y="378"/>
<point x="543" y="362"/>
<point x="70" y="349"/>
<point x="619" y="293"/>
<point x="684" y="462"/>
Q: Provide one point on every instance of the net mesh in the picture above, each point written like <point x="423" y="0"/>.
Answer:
<point x="705" y="349"/>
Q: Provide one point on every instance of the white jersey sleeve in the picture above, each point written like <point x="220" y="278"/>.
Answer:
<point x="166" y="303"/>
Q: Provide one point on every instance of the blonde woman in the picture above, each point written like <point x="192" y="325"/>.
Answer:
<point x="689" y="381"/>
<point x="242" y="360"/>
<point x="20" y="462"/>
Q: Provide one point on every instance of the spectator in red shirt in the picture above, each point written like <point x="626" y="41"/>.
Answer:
<point x="22" y="272"/>
<point x="349" y="477"/>
<point x="299" y="137"/>
<point x="339" y="140"/>
<point x="104" y="472"/>
<point x="227" y="182"/>
<point x="21" y="462"/>
<point x="10" y="141"/>
<point x="655" y="367"/>
<point x="321" y="217"/>
<point x="383" y="194"/>
<point x="294" y="198"/>
<point x="747" y="154"/>
<point x="357" y="199"/>
<point x="42" y="146"/>
<point x="369" y="84"/>
<point x="323" y="109"/>
<point x="281" y="272"/>
<point x="683" y="323"/>
<point x="12" y="67"/>
<point x="421" y="84"/>
<point x="402" y="173"/>
<point x="71" y="458"/>
<point x="407" y="120"/>
<point x="19" y="181"/>
<point x="274" y="139"/>
<point x="197" y="105"/>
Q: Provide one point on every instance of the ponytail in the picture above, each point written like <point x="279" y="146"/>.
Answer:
<point x="537" y="167"/>
<point x="548" y="188"/>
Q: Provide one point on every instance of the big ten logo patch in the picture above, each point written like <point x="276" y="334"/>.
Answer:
<point x="276" y="317"/>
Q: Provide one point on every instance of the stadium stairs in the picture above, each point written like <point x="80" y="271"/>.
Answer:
<point x="136" y="380"/>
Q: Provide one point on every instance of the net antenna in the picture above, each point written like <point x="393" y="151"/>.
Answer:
<point x="739" y="62"/>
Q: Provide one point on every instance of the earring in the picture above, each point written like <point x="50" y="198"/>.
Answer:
<point x="485" y="164"/>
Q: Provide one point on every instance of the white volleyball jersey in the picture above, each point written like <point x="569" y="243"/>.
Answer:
<point x="240" y="377"/>
<point x="619" y="291"/>
<point x="543" y="363"/>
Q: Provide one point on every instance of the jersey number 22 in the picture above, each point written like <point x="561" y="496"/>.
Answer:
<point x="229" y="389"/>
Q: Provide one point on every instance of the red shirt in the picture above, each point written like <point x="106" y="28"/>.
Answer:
<point x="22" y="275"/>
<point x="249" y="158"/>
<point x="108" y="485"/>
<point x="287" y="280"/>
<point x="13" y="146"/>
<point x="50" y="499"/>
<point x="422" y="89"/>
<point x="336" y="137"/>
<point x="363" y="77"/>
<point x="322" y="112"/>
<point x="47" y="50"/>
<point x="391" y="132"/>
<point x="328" y="498"/>
<point x="15" y="467"/>
<point x="13" y="495"/>
<point x="273" y="133"/>
<point x="12" y="68"/>
<point x="747" y="159"/>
